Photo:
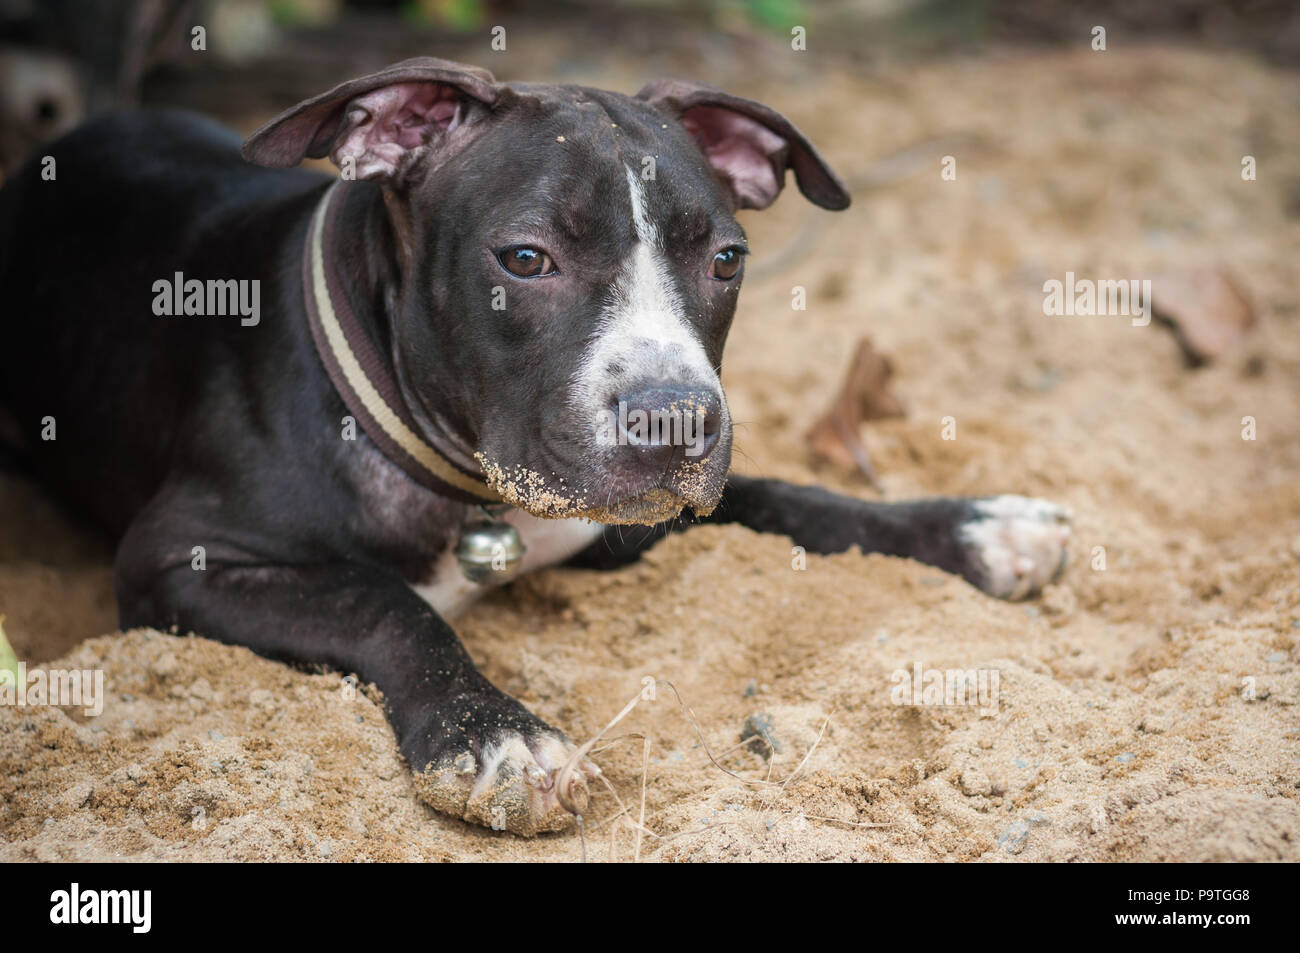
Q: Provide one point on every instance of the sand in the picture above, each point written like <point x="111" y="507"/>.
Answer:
<point x="1146" y="711"/>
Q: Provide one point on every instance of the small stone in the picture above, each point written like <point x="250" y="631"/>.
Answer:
<point x="1042" y="380"/>
<point x="1276" y="657"/>
<point x="757" y="730"/>
<point x="1126" y="757"/>
<point x="1014" y="838"/>
<point x="1038" y="820"/>
<point x="751" y="688"/>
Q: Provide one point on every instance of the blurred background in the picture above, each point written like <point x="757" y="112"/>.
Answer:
<point x="60" y="59"/>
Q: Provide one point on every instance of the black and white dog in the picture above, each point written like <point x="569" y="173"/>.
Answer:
<point x="436" y="373"/>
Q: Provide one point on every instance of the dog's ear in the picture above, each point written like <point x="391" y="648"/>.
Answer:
<point x="377" y="122"/>
<point x="748" y="145"/>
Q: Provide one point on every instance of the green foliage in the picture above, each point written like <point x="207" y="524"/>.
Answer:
<point x="8" y="658"/>
<point x="462" y="15"/>
<point x="778" y="15"/>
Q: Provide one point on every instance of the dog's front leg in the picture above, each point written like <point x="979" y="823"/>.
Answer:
<point x="1009" y="546"/>
<point x="476" y="752"/>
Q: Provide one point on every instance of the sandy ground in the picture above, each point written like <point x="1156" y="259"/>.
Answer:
<point x="1146" y="711"/>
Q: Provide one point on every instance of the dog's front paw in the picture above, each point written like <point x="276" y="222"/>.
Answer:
<point x="508" y="780"/>
<point x="1015" y="545"/>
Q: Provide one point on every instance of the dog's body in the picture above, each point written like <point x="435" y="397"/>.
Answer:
<point x="212" y="432"/>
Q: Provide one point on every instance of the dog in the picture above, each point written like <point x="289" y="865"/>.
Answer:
<point x="321" y="414"/>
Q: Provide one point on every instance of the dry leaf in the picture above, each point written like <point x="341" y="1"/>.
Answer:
<point x="1206" y="308"/>
<point x="864" y="396"/>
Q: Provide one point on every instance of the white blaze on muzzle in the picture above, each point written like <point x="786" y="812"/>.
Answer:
<point x="643" y="337"/>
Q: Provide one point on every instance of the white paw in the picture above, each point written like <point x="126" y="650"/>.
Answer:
<point x="1019" y="542"/>
<point x="512" y="785"/>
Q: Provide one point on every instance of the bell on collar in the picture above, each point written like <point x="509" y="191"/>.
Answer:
<point x="490" y="551"/>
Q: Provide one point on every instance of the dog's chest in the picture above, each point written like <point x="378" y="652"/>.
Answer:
<point x="546" y="542"/>
<point x="420" y="531"/>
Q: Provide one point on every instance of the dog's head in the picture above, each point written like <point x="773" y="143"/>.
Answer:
<point x="570" y="262"/>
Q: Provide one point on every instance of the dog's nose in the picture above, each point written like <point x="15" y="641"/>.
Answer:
<point x="667" y="424"/>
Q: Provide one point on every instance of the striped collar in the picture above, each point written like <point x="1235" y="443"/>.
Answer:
<point x="361" y="377"/>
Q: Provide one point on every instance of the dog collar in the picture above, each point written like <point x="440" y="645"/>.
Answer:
<point x="363" y="380"/>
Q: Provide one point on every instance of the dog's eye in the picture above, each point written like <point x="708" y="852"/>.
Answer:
<point x="526" y="262"/>
<point x="726" y="264"/>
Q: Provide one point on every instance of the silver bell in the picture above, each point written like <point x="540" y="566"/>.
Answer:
<point x="490" y="551"/>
